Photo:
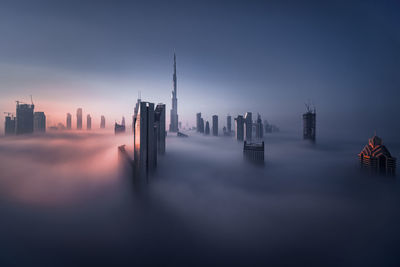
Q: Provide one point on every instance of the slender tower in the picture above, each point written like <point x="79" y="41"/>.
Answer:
<point x="173" y="126"/>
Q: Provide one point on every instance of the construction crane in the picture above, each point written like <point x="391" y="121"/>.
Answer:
<point x="9" y="114"/>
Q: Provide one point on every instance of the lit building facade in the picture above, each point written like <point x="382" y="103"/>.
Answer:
<point x="253" y="152"/>
<point x="79" y="119"/>
<point x="376" y="158"/>
<point x="24" y="119"/>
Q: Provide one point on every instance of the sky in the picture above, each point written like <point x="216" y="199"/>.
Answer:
<point x="232" y="56"/>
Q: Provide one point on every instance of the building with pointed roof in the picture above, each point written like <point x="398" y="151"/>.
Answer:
<point x="376" y="158"/>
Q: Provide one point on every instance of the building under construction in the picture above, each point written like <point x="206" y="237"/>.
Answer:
<point x="309" y="125"/>
<point x="24" y="118"/>
<point x="376" y="158"/>
<point x="9" y="124"/>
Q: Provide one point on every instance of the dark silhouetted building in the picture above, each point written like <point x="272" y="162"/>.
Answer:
<point x="39" y="122"/>
<point x="309" y="125"/>
<point x="215" y="125"/>
<point x="173" y="126"/>
<point x="376" y="158"/>
<point x="119" y="128"/>
<point x="9" y="125"/>
<point x="198" y="119"/>
<point x="135" y="111"/>
<point x="229" y="124"/>
<point x="248" y="130"/>
<point x="24" y="119"/>
<point x="145" y="155"/>
<point x="259" y="127"/>
<point x="102" y="122"/>
<point x="254" y="152"/>
<point x="239" y="128"/>
<point x="207" y="131"/>
<point x="88" y="122"/>
<point x="201" y="125"/>
<point x="69" y="121"/>
<point x="159" y="122"/>
<point x="79" y="119"/>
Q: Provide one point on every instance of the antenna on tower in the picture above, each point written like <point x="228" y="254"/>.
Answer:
<point x="31" y="99"/>
<point x="139" y="95"/>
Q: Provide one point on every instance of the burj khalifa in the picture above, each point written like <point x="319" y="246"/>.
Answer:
<point x="173" y="126"/>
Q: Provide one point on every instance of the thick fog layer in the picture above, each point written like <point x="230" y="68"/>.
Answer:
<point x="64" y="199"/>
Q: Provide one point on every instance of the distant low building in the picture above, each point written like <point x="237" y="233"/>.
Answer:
<point x="376" y="158"/>
<point x="253" y="152"/>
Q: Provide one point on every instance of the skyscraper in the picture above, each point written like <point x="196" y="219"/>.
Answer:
<point x="248" y="130"/>
<point x="376" y="158"/>
<point x="69" y="121"/>
<point x="145" y="157"/>
<point x="259" y="127"/>
<point x="207" y="132"/>
<point x="135" y="111"/>
<point x="24" y="118"/>
<point x="102" y="122"/>
<point x="88" y="122"/>
<point x="9" y="125"/>
<point x="159" y="121"/>
<point x="173" y="126"/>
<point x="79" y="119"/>
<point x="215" y="125"/>
<point x="309" y="123"/>
<point x="239" y="128"/>
<point x="229" y="123"/>
<point x="39" y="122"/>
<point x="198" y="117"/>
<point x="201" y="125"/>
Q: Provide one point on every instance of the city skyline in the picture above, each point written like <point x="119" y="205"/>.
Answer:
<point x="278" y="78"/>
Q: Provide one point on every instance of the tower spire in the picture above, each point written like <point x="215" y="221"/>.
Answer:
<point x="173" y="126"/>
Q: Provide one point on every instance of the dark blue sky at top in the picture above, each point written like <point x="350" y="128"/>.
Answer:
<point x="233" y="56"/>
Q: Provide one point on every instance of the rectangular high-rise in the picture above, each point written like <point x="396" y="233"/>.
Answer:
<point x="69" y="121"/>
<point x="215" y="125"/>
<point x="79" y="119"/>
<point x="309" y="124"/>
<point x="102" y="122"/>
<point x="198" y="120"/>
<point x="24" y="119"/>
<point x="9" y="125"/>
<point x="248" y="130"/>
<point x="39" y="122"/>
<point x="239" y="128"/>
<point x="145" y="157"/>
<point x="88" y="122"/>
<point x="229" y="123"/>
<point x="159" y="122"/>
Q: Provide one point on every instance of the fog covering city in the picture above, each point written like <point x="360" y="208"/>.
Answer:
<point x="65" y="200"/>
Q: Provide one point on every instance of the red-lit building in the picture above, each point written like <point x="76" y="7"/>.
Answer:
<point x="376" y="157"/>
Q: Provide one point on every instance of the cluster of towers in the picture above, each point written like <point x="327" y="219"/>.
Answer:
<point x="79" y="121"/>
<point x="26" y="120"/>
